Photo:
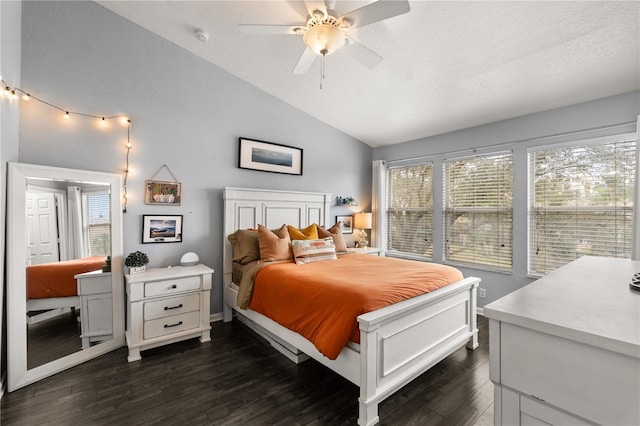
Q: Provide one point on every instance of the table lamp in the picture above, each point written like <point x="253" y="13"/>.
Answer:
<point x="363" y="221"/>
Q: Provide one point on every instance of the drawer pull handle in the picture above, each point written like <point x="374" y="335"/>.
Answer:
<point x="166" y="308"/>
<point x="173" y="325"/>
<point x="174" y="286"/>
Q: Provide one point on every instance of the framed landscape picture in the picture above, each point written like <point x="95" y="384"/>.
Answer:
<point x="161" y="229"/>
<point x="269" y="157"/>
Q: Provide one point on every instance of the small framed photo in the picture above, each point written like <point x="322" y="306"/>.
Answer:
<point x="165" y="193"/>
<point x="346" y="224"/>
<point x="269" y="157"/>
<point x="161" y="229"/>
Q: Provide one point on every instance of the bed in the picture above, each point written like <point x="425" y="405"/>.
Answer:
<point x="446" y="316"/>
<point x="53" y="285"/>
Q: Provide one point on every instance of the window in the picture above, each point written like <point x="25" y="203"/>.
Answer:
<point x="98" y="223"/>
<point x="478" y="211"/>
<point x="410" y="210"/>
<point x="581" y="203"/>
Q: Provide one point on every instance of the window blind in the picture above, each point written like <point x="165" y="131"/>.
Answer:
<point x="99" y="224"/>
<point x="581" y="203"/>
<point x="410" y="210"/>
<point x="478" y="211"/>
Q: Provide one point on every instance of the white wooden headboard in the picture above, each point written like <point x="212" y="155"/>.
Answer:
<point x="246" y="208"/>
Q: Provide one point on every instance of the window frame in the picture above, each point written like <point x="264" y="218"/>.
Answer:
<point x="387" y="209"/>
<point x="468" y="209"/>
<point x="531" y="183"/>
<point x="86" y="220"/>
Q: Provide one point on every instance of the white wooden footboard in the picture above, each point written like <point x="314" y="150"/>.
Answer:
<point x="401" y="341"/>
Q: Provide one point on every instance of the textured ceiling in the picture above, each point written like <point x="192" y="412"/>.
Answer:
<point x="447" y="65"/>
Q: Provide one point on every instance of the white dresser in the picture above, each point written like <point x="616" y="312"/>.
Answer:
<point x="96" y="307"/>
<point x="565" y="349"/>
<point x="166" y="305"/>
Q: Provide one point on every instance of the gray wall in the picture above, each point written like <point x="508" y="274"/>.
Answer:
<point x="186" y="113"/>
<point x="9" y="119"/>
<point x="614" y="115"/>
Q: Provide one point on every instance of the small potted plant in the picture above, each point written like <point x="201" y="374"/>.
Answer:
<point x="136" y="262"/>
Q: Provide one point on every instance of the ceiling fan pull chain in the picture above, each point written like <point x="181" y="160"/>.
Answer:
<point x="321" y="71"/>
<point x="324" y="53"/>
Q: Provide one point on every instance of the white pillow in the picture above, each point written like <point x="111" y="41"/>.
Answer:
<point x="307" y="251"/>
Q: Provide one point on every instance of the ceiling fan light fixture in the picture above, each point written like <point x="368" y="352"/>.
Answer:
<point x="324" y="39"/>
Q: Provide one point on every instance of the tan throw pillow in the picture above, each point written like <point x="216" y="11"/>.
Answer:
<point x="307" y="251"/>
<point x="245" y="246"/>
<point x="308" y="233"/>
<point x="272" y="246"/>
<point x="334" y="232"/>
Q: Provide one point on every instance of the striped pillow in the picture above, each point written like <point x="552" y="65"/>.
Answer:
<point x="307" y="251"/>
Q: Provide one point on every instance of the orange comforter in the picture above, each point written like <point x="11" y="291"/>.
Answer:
<point x="57" y="279"/>
<point x="322" y="300"/>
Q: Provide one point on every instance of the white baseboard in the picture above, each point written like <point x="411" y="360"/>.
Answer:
<point x="215" y="317"/>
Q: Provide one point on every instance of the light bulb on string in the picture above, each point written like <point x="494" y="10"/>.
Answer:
<point x="15" y="93"/>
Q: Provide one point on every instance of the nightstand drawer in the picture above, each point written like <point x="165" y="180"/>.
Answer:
<point x="177" y="285"/>
<point x="173" y="324"/>
<point x="171" y="306"/>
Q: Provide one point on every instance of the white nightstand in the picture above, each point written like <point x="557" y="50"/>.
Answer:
<point x="96" y="307"/>
<point x="167" y="305"/>
<point x="366" y="250"/>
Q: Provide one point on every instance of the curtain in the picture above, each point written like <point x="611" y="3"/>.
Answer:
<point x="635" y="242"/>
<point x="378" y="189"/>
<point x="76" y="246"/>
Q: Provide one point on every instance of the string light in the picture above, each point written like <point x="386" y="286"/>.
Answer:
<point x="13" y="93"/>
<point x="126" y="170"/>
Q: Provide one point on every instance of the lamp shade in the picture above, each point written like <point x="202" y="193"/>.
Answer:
<point x="362" y="220"/>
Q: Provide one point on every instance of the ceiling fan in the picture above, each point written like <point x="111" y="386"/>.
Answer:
<point x="325" y="31"/>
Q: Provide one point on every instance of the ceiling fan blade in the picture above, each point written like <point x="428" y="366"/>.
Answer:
<point x="313" y="5"/>
<point x="377" y="11"/>
<point x="362" y="54"/>
<point x="305" y="62"/>
<point x="267" y="29"/>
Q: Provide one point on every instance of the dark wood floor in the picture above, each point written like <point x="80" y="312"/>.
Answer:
<point x="53" y="338"/>
<point x="238" y="380"/>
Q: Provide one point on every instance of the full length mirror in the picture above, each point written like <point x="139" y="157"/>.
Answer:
<point x="64" y="260"/>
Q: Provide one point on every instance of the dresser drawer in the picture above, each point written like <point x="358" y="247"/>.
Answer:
<point x="585" y="380"/>
<point x="171" y="306"/>
<point x="161" y="288"/>
<point x="169" y="325"/>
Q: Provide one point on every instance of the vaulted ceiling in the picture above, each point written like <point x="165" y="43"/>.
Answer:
<point x="447" y="65"/>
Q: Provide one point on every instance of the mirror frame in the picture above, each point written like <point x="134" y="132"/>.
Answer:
<point x="18" y="173"/>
